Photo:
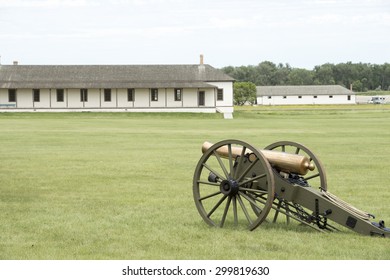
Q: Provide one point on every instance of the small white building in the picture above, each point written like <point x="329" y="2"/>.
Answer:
<point x="132" y="88"/>
<point x="296" y="95"/>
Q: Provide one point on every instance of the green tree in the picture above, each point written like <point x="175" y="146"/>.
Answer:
<point x="265" y="74"/>
<point x="357" y="85"/>
<point x="363" y="76"/>
<point x="282" y="73"/>
<point x="299" y="76"/>
<point x="324" y="74"/>
<point x="244" y="92"/>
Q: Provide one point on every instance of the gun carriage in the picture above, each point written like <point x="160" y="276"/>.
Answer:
<point x="235" y="182"/>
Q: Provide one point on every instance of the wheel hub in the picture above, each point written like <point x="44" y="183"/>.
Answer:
<point x="229" y="187"/>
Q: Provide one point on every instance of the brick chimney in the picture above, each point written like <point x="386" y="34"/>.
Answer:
<point x="201" y="59"/>
<point x="16" y="62"/>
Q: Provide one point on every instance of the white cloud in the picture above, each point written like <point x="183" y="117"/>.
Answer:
<point x="45" y="3"/>
<point x="230" y="23"/>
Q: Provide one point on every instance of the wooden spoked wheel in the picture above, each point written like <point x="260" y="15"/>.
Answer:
<point x="315" y="178"/>
<point x="228" y="181"/>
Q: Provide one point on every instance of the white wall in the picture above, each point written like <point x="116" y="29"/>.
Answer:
<point x="53" y="98"/>
<point x="44" y="99"/>
<point x="73" y="96"/>
<point x="93" y="98"/>
<point x="4" y="97"/>
<point x="24" y="98"/>
<point x="171" y="98"/>
<point x="210" y="97"/>
<point x="190" y="97"/>
<point x="122" y="99"/>
<point x="141" y="97"/>
<point x="227" y="93"/>
<point x="224" y="106"/>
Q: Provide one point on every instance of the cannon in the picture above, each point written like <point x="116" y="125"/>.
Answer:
<point x="236" y="183"/>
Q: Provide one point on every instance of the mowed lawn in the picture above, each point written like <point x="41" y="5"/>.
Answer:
<point x="119" y="185"/>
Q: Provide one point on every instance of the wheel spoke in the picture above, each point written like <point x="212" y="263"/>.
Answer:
<point x="216" y="206"/>
<point x="264" y="201"/>
<point x="297" y="150"/>
<point x="230" y="158"/>
<point x="240" y="161"/>
<point x="254" y="190"/>
<point x="225" y="211"/>
<point x="213" y="171"/>
<point x="221" y="164"/>
<point x="208" y="183"/>
<point x="235" y="211"/>
<point x="313" y="176"/>
<point x="261" y="196"/>
<point x="210" y="195"/>
<point x="251" y="201"/>
<point x="252" y="179"/>
<point x="257" y="198"/>
<point x="244" y="209"/>
<point x="247" y="170"/>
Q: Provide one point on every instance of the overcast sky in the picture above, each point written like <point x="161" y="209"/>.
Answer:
<point x="303" y="33"/>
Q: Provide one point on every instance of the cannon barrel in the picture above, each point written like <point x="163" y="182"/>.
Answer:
<point x="286" y="162"/>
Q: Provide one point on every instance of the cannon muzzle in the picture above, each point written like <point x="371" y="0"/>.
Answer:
<point x="286" y="162"/>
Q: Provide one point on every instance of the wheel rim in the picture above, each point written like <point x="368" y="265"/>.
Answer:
<point x="315" y="178"/>
<point x="227" y="188"/>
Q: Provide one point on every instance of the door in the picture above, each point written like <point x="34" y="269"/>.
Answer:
<point x="201" y="98"/>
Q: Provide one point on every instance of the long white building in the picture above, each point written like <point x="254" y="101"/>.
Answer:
<point x="132" y="88"/>
<point x="295" y="95"/>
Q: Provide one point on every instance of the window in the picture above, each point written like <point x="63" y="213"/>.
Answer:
<point x="60" y="95"/>
<point x="300" y="96"/>
<point x="284" y="97"/>
<point x="220" y="94"/>
<point x="130" y="94"/>
<point x="12" y="95"/>
<point x="349" y="97"/>
<point x="330" y="96"/>
<point x="178" y="94"/>
<point x="154" y="94"/>
<point x="269" y="97"/>
<point x="107" y="95"/>
<point x="36" y="95"/>
<point x="84" y="95"/>
<point x="315" y="96"/>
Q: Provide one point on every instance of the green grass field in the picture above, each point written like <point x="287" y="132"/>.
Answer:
<point x="119" y="185"/>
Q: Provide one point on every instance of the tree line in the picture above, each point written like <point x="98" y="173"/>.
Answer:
<point x="362" y="76"/>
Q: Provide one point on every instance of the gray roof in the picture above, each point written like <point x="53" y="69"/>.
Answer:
<point x="302" y="90"/>
<point x="109" y="76"/>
